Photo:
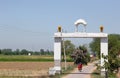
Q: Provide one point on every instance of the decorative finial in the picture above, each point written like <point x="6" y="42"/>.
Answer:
<point x="80" y="21"/>
<point x="59" y="29"/>
<point x="101" y="28"/>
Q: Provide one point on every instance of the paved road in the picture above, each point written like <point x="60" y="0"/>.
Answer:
<point x="85" y="73"/>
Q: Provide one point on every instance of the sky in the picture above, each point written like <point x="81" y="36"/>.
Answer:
<point x="31" y="24"/>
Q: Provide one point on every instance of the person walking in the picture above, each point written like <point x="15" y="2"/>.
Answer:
<point x="80" y="66"/>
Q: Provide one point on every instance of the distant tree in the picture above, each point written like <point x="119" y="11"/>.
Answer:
<point x="17" y="52"/>
<point x="86" y="54"/>
<point x="42" y="51"/>
<point x="84" y="49"/>
<point x="36" y="53"/>
<point x="68" y="46"/>
<point x="24" y="52"/>
<point x="81" y="55"/>
<point x="0" y="51"/>
<point x="47" y="52"/>
<point x="95" y="46"/>
<point x="6" y="51"/>
<point x="51" y="52"/>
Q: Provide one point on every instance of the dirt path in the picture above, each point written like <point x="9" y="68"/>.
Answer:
<point x="85" y="73"/>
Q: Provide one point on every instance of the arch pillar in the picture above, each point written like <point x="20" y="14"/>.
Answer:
<point x="57" y="54"/>
<point x="104" y="51"/>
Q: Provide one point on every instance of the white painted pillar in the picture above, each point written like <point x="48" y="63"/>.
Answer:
<point x="104" y="51"/>
<point x="57" y="54"/>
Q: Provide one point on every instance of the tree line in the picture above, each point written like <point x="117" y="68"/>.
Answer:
<point x="25" y="52"/>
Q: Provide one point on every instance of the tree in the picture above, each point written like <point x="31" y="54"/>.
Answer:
<point x="17" y="52"/>
<point x="95" y="46"/>
<point x="113" y="51"/>
<point x="81" y="55"/>
<point x="42" y="51"/>
<point x="68" y="46"/>
<point x="0" y="51"/>
<point x="24" y="52"/>
<point x="47" y="52"/>
<point x="6" y="51"/>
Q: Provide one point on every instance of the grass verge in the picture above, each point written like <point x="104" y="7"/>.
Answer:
<point x="64" y="72"/>
<point x="96" y="74"/>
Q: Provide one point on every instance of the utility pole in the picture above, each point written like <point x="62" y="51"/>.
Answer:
<point x="64" y="54"/>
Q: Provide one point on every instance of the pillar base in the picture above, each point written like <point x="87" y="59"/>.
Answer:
<point x="104" y="74"/>
<point x="58" y="69"/>
<point x="54" y="70"/>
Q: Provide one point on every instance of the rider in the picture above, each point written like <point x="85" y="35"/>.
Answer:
<point x="80" y="66"/>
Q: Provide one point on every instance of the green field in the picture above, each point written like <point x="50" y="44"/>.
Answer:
<point x="22" y="58"/>
<point x="34" y="58"/>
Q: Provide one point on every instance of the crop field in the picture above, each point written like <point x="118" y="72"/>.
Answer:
<point x="24" y="68"/>
<point x="27" y="58"/>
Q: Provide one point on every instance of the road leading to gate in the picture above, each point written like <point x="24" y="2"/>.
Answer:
<point x="85" y="73"/>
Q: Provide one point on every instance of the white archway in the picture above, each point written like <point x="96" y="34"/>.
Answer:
<point x="57" y="46"/>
